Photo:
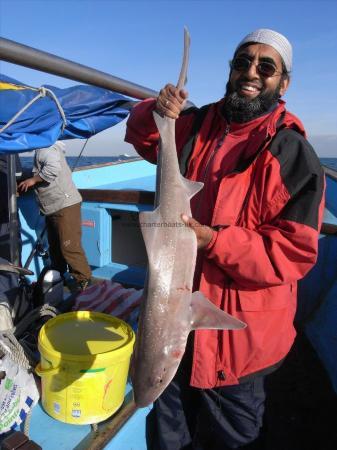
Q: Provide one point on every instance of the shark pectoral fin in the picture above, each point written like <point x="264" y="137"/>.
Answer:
<point x="191" y="187"/>
<point x="205" y="315"/>
<point x="148" y="221"/>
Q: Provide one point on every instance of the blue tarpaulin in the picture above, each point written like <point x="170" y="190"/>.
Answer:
<point x="76" y="112"/>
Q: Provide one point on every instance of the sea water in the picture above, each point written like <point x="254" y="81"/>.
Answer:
<point x="27" y="161"/>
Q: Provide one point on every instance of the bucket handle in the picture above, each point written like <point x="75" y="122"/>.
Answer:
<point x="40" y="372"/>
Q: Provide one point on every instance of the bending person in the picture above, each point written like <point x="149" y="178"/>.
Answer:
<point x="60" y="202"/>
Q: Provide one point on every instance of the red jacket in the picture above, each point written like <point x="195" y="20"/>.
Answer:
<point x="263" y="195"/>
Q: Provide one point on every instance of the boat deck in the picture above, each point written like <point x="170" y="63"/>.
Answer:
<point x="51" y="434"/>
<point x="301" y="407"/>
<point x="301" y="411"/>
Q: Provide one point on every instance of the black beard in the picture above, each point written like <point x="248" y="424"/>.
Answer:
<point x="239" y="109"/>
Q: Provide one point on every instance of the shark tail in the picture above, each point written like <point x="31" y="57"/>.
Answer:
<point x="164" y="124"/>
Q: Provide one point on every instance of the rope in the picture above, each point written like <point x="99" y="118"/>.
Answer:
<point x="30" y="351"/>
<point x="94" y="428"/>
<point x="43" y="91"/>
<point x="17" y="355"/>
<point x="18" y="114"/>
<point x="19" y="349"/>
<point x="13" y="347"/>
<point x="26" y="424"/>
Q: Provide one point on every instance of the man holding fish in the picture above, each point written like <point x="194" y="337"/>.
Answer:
<point x="257" y="221"/>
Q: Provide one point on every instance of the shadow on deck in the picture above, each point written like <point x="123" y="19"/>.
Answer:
<point x="301" y="407"/>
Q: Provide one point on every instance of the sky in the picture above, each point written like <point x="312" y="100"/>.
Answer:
<point x="142" y="41"/>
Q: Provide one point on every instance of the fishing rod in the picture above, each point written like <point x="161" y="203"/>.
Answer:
<point x="79" y="156"/>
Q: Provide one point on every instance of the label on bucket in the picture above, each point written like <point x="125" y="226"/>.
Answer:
<point x="76" y="413"/>
<point x="57" y="408"/>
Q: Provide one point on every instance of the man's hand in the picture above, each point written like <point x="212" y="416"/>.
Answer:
<point x="30" y="182"/>
<point x="203" y="232"/>
<point x="171" y="101"/>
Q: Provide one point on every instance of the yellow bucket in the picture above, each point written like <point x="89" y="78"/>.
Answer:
<point x="85" y="359"/>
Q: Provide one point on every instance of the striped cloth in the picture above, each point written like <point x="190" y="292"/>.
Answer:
<point x="111" y="298"/>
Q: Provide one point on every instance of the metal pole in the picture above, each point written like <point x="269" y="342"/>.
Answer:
<point x="24" y="55"/>
<point x="13" y="211"/>
<point x="33" y="58"/>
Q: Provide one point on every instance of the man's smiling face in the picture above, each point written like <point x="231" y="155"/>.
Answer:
<point x="251" y="83"/>
<point x="250" y="92"/>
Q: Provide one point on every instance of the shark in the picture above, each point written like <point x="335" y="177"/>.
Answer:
<point x="170" y="310"/>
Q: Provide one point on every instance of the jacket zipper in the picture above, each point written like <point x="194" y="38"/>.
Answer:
<point x="250" y="188"/>
<point x="210" y="158"/>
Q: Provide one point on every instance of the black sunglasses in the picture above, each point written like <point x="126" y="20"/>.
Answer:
<point x="264" y="68"/>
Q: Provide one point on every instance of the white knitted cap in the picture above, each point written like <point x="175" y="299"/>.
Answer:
<point x="275" y="40"/>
